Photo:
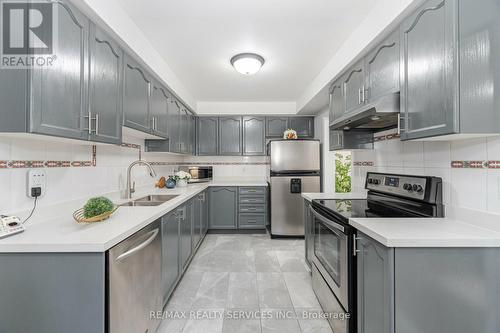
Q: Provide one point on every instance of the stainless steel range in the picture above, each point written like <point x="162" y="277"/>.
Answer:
<point x="334" y="260"/>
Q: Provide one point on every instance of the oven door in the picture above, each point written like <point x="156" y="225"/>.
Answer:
<point x="331" y="256"/>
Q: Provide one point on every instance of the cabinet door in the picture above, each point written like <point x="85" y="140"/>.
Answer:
<point x="336" y="140"/>
<point x="337" y="105"/>
<point x="59" y="93"/>
<point x="159" y="110"/>
<point x="192" y="134"/>
<point x="170" y="252"/>
<point x="186" y="216"/>
<point x="275" y="126"/>
<point x="223" y="203"/>
<point x="174" y="122"/>
<point x="375" y="286"/>
<point x="382" y="68"/>
<point x="184" y="128"/>
<point x="428" y="101"/>
<point x="254" y="136"/>
<point x="304" y="126"/>
<point x="105" y="89"/>
<point x="309" y="233"/>
<point x="204" y="213"/>
<point x="354" y="87"/>
<point x="230" y="136"/>
<point x="197" y="222"/>
<point x="136" y="92"/>
<point x="207" y="136"/>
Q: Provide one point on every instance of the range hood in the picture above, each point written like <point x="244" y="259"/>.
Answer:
<point x="382" y="113"/>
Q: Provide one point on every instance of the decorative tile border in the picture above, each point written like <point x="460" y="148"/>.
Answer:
<point x="363" y="163"/>
<point x="28" y="164"/>
<point x="387" y="137"/>
<point x="470" y="164"/>
<point x="209" y="163"/>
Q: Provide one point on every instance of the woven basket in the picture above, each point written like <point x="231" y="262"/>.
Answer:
<point x="80" y="218"/>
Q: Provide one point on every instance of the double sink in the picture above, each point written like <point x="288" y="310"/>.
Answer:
<point x="149" y="201"/>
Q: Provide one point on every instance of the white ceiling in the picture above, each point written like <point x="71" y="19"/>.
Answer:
<point x="198" y="37"/>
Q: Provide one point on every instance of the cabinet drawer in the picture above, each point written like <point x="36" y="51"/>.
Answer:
<point x="252" y="221"/>
<point x="245" y="199"/>
<point x="252" y="208"/>
<point x="252" y="190"/>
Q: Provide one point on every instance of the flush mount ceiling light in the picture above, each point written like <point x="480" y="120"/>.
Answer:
<point x="247" y="63"/>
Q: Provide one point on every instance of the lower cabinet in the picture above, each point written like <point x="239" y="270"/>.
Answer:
<point x="197" y="220"/>
<point x="186" y="222"/>
<point x="223" y="208"/>
<point x="252" y="207"/>
<point x="375" y="286"/>
<point x="170" y="232"/>
<point x="309" y="233"/>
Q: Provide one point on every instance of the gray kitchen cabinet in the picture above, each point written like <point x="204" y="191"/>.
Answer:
<point x="137" y="85"/>
<point x="160" y="100"/>
<point x="254" y="132"/>
<point x="170" y="230"/>
<point x="375" y="286"/>
<point x="192" y="134"/>
<point x="354" y="87"/>
<point x="197" y="220"/>
<point x="174" y="123"/>
<point x="186" y="248"/>
<point x="223" y="207"/>
<point x="184" y="130"/>
<point x="428" y="93"/>
<point x="352" y="139"/>
<point x="336" y="105"/>
<point x="252" y="207"/>
<point x="382" y="69"/>
<point x="207" y="129"/>
<point x="59" y="93"/>
<point x="105" y="90"/>
<point x="275" y="126"/>
<point x="230" y="136"/>
<point x="204" y="213"/>
<point x="309" y="233"/>
<point x="304" y="126"/>
<point x="52" y="287"/>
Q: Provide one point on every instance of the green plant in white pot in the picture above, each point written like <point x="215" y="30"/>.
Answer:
<point x="182" y="178"/>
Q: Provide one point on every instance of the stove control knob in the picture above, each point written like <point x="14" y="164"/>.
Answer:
<point x="407" y="187"/>
<point x="370" y="181"/>
<point x="418" y="188"/>
<point x="376" y="181"/>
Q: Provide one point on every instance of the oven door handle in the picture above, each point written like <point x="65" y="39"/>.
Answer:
<point x="326" y="221"/>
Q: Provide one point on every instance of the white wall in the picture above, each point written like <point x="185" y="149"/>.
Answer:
<point x="117" y="19"/>
<point x="473" y="188"/>
<point x="246" y="108"/>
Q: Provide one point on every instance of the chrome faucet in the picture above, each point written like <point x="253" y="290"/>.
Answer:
<point x="131" y="188"/>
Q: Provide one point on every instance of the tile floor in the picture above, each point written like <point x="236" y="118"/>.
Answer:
<point x="245" y="284"/>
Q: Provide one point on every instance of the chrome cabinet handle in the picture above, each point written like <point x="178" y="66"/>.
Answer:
<point x="363" y="94"/>
<point x="359" y="96"/>
<point x="354" y="245"/>
<point x="139" y="247"/>
<point x="96" y="124"/>
<point x="89" y="122"/>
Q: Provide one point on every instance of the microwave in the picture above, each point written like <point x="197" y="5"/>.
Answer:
<point x="199" y="174"/>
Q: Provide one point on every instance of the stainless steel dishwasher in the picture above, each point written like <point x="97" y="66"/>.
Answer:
<point x="134" y="284"/>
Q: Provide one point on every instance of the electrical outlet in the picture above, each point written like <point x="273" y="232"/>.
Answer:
<point x="37" y="183"/>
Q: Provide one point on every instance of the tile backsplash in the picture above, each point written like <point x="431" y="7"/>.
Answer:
<point x="76" y="171"/>
<point x="469" y="168"/>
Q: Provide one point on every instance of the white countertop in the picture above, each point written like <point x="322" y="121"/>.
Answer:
<point x="426" y="232"/>
<point x="56" y="231"/>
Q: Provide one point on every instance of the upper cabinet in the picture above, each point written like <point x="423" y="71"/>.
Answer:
<point x="207" y="136"/>
<point x="354" y="87"/>
<point x="275" y="126"/>
<point x="105" y="88"/>
<point x="159" y="109"/>
<point x="337" y="106"/>
<point x="254" y="140"/>
<point x="428" y="96"/>
<point x="382" y="69"/>
<point x="59" y="93"/>
<point x="304" y="126"/>
<point x="137" y="85"/>
<point x="230" y="135"/>
<point x="174" y="122"/>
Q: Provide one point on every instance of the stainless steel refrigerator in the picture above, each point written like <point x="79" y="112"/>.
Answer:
<point x="295" y="168"/>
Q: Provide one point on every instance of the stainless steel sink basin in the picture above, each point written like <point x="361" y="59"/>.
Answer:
<point x="149" y="201"/>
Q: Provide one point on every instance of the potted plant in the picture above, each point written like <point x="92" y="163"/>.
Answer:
<point x="181" y="178"/>
<point x="290" y="134"/>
